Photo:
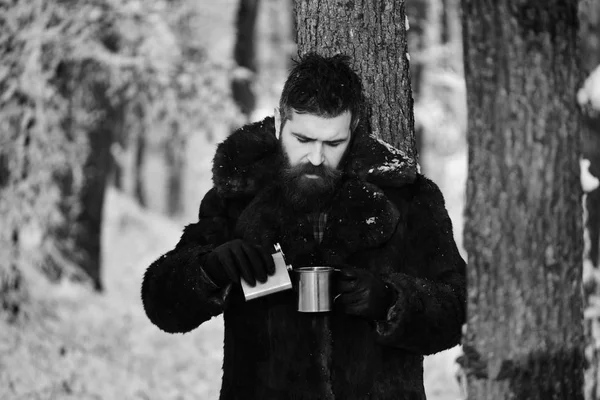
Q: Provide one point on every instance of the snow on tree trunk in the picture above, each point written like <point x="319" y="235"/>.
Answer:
<point x="523" y="233"/>
<point x="373" y="33"/>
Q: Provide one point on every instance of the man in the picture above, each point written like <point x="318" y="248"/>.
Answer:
<point x="313" y="180"/>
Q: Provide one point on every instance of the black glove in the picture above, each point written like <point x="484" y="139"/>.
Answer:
<point x="362" y="293"/>
<point x="235" y="259"/>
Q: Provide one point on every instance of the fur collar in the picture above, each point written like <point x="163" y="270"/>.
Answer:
<point x="245" y="165"/>
<point x="247" y="161"/>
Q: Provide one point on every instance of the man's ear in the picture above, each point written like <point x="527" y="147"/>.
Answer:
<point x="354" y="124"/>
<point x="277" y="123"/>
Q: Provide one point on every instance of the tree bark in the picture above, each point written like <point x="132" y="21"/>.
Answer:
<point x="523" y="232"/>
<point x="373" y="33"/>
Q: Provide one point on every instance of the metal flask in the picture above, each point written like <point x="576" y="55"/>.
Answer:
<point x="275" y="283"/>
<point x="314" y="288"/>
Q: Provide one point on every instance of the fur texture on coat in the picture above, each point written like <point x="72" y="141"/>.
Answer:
<point x="385" y="218"/>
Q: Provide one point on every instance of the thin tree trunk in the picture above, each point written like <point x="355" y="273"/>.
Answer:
<point x="452" y="27"/>
<point x="589" y="12"/>
<point x="140" y="151"/>
<point x="416" y="11"/>
<point x="523" y="232"/>
<point x="175" y="164"/>
<point x="373" y="33"/>
<point x="275" y="49"/>
<point x="244" y="54"/>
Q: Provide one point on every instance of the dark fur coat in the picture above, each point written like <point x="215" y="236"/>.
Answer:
<point x="386" y="218"/>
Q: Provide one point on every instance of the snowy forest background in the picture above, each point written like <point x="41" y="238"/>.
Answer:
<point x="138" y="94"/>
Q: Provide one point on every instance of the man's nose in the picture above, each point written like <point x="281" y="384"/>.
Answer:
<point x="316" y="154"/>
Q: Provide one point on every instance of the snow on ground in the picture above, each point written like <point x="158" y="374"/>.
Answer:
<point x="80" y="345"/>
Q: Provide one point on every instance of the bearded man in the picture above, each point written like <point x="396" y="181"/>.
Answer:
<point x="313" y="180"/>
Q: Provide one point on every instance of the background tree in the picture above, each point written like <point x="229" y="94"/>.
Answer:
<point x="435" y="43"/>
<point x="589" y="33"/>
<point x="244" y="54"/>
<point x="373" y="33"/>
<point x="275" y="31"/>
<point x="55" y="135"/>
<point x="523" y="233"/>
<point x="75" y="239"/>
<point x="416" y="11"/>
<point x="588" y="97"/>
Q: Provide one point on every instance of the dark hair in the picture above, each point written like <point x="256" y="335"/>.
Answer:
<point x="322" y="86"/>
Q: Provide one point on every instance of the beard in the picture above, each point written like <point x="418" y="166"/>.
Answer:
<point x="308" y="194"/>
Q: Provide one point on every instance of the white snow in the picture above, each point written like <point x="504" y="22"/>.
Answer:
<point x="388" y="146"/>
<point x="589" y="94"/>
<point x="588" y="181"/>
<point x="389" y="166"/>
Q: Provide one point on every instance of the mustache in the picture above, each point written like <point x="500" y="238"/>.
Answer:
<point x="310" y="169"/>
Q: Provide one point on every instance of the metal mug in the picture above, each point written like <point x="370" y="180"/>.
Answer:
<point x="314" y="288"/>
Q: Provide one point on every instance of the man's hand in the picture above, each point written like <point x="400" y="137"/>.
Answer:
<point x="362" y="293"/>
<point x="235" y="259"/>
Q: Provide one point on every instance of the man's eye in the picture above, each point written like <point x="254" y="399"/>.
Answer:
<point x="333" y="144"/>
<point x="302" y="140"/>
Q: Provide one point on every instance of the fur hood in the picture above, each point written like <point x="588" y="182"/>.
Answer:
<point x="246" y="164"/>
<point x="247" y="161"/>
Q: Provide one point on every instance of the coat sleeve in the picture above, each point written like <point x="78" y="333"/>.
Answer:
<point x="176" y="292"/>
<point x="430" y="306"/>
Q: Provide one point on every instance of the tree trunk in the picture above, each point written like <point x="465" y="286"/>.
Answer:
<point x="589" y="12"/>
<point x="244" y="54"/>
<point x="523" y="232"/>
<point x="416" y="11"/>
<point x="451" y="29"/>
<point x="275" y="50"/>
<point x="373" y="33"/>
<point x="130" y="152"/>
<point x="175" y="166"/>
<point x="589" y="33"/>
<point x="75" y="240"/>
<point x="140" y="149"/>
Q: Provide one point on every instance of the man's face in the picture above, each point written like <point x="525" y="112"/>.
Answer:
<point x="309" y="139"/>
<point x="313" y="149"/>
